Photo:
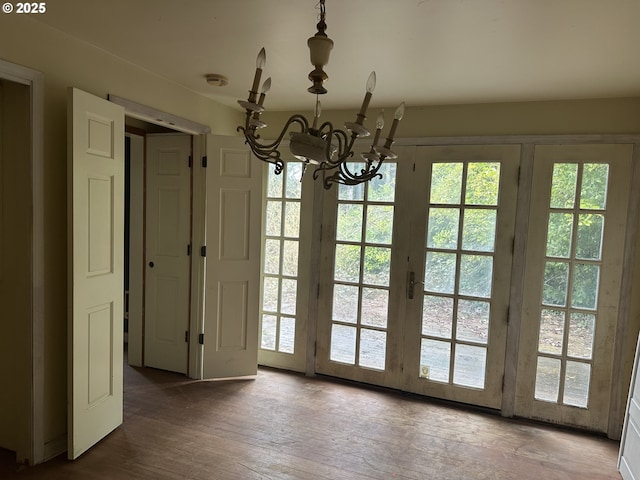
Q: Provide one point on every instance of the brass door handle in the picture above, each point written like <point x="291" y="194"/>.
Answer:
<point x="411" y="284"/>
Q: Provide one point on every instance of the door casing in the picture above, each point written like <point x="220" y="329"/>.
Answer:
<point x="36" y="450"/>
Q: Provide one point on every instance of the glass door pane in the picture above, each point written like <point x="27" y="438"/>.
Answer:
<point x="358" y="328"/>
<point x="362" y="267"/>
<point x="461" y="231"/>
<point x="573" y="260"/>
<point x="279" y="309"/>
<point x="573" y="276"/>
<point x="464" y="258"/>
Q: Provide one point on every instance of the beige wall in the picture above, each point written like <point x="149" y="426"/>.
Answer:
<point x="67" y="62"/>
<point x="617" y="115"/>
<point x="15" y="267"/>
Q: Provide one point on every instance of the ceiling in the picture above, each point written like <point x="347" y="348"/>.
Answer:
<point x="426" y="52"/>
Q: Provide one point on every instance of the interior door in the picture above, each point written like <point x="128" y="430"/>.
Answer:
<point x="573" y="275"/>
<point x="96" y="268"/>
<point x="232" y="271"/>
<point x="168" y="248"/>
<point x="629" y="462"/>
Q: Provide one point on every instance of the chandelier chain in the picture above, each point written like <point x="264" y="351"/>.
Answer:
<point x="322" y="25"/>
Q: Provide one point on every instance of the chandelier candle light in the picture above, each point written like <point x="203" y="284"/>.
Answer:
<point x="328" y="148"/>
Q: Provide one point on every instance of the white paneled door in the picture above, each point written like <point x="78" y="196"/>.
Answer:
<point x="96" y="268"/>
<point x="232" y="272"/>
<point x="167" y="256"/>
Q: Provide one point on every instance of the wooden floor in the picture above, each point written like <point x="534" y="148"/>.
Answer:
<point x="284" y="426"/>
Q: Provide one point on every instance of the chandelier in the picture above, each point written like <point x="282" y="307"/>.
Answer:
<point x="315" y="143"/>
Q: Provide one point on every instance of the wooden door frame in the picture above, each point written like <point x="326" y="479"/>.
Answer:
<point x="136" y="351"/>
<point x="178" y="137"/>
<point x="35" y="81"/>
<point x="135" y="336"/>
<point x="196" y="300"/>
<point x="198" y="134"/>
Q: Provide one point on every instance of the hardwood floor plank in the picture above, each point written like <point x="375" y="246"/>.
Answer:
<point x="284" y="426"/>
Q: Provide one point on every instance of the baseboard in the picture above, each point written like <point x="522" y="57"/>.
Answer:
<point x="55" y="447"/>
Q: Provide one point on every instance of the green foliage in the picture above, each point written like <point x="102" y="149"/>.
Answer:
<point x="586" y="225"/>
<point x="376" y="215"/>
<point x="472" y="194"/>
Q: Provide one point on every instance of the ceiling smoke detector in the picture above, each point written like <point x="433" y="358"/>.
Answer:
<point x="216" y="80"/>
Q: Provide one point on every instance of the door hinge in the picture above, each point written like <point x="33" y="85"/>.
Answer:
<point x="315" y="349"/>
<point x="204" y="161"/>
<point x="190" y="161"/>
<point x="201" y="339"/>
<point x="186" y="336"/>
<point x="318" y="291"/>
<point x="203" y="251"/>
<point x="189" y="250"/>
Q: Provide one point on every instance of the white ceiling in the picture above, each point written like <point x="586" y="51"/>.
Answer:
<point x="425" y="52"/>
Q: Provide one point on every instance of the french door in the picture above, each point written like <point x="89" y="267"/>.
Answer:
<point x="360" y="329"/>
<point x="429" y="314"/>
<point x="459" y="272"/>
<point x="572" y="277"/>
<point x="416" y="284"/>
<point x="285" y="269"/>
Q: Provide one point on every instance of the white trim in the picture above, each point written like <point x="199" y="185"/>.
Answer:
<point x="518" y="287"/>
<point x="198" y="262"/>
<point x="617" y="401"/>
<point x="623" y="466"/>
<point x="35" y="80"/>
<point x="158" y="117"/>
<point x="521" y="139"/>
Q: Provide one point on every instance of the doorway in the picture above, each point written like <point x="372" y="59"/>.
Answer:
<point x="15" y="267"/>
<point x="157" y="238"/>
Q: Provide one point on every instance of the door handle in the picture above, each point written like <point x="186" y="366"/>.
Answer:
<point x="411" y="285"/>
<point x="151" y="264"/>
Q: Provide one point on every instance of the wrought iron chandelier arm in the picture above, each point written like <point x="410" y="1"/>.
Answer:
<point x="344" y="144"/>
<point x="269" y="152"/>
<point x="252" y="138"/>
<point x="344" y="176"/>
